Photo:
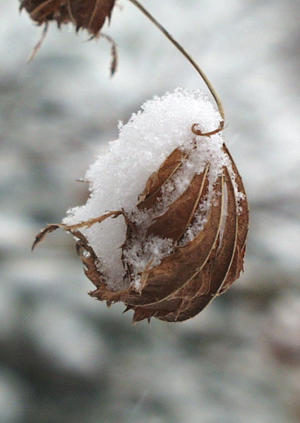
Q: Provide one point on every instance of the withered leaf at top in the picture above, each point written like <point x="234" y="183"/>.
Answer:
<point x="90" y="14"/>
<point x="42" y="11"/>
<point x="87" y="14"/>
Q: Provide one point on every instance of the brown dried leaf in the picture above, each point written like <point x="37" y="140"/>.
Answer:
<point x="188" y="279"/>
<point x="152" y="190"/>
<point x="204" y="287"/>
<point x="42" y="11"/>
<point x="180" y="266"/>
<point x="90" y="14"/>
<point x="174" y="222"/>
<point x="87" y="14"/>
<point x="221" y="269"/>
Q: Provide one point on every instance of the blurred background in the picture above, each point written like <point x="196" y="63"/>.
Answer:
<point x="65" y="357"/>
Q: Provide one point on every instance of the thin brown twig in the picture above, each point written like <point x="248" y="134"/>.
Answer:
<point x="114" y="53"/>
<point x="38" y="44"/>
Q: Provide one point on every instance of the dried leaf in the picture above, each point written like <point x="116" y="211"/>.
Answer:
<point x="173" y="223"/>
<point x="152" y="190"/>
<point x="87" y="14"/>
<point x="180" y="266"/>
<point x="197" y="271"/>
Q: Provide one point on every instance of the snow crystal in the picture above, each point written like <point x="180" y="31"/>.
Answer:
<point x="118" y="177"/>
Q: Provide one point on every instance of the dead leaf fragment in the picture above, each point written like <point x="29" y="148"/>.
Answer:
<point x="86" y="14"/>
<point x="197" y="270"/>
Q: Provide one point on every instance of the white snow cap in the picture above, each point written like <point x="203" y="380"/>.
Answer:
<point x="118" y="177"/>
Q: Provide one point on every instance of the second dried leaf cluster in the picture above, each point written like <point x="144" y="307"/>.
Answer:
<point x="87" y="14"/>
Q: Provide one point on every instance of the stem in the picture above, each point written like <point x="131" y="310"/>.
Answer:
<point x="193" y="63"/>
<point x="38" y="44"/>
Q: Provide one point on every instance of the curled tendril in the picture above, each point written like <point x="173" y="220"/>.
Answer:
<point x="207" y="134"/>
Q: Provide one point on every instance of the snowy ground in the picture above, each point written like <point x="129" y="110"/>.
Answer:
<point x="65" y="357"/>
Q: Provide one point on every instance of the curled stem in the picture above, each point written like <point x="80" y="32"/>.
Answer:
<point x="193" y="63"/>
